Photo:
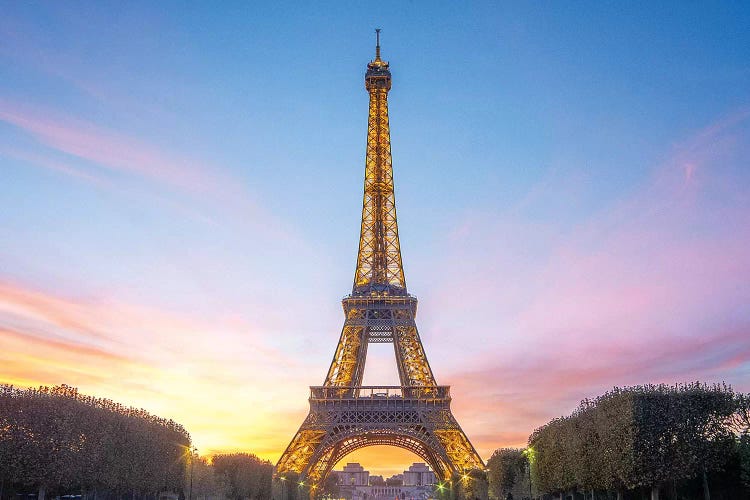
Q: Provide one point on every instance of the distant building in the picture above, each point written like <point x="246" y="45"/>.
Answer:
<point x="353" y="474"/>
<point x="355" y="483"/>
<point x="418" y="475"/>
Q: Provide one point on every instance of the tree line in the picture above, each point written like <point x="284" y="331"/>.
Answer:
<point x="235" y="475"/>
<point x="57" y="441"/>
<point x="674" y="442"/>
<point x="683" y="441"/>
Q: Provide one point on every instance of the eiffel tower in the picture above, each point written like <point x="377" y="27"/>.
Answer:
<point x="345" y="415"/>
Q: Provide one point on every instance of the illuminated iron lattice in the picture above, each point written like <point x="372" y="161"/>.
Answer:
<point x="345" y="416"/>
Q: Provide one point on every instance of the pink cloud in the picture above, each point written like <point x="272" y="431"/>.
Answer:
<point x="68" y="347"/>
<point x="40" y="307"/>
<point x="515" y="398"/>
<point x="116" y="152"/>
<point x="652" y="288"/>
<point x="118" y="157"/>
<point x="124" y="325"/>
<point x="222" y="377"/>
<point x="55" y="165"/>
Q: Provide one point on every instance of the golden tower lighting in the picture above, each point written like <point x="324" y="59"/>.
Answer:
<point x="344" y="415"/>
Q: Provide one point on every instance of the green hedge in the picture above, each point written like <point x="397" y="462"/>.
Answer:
<point x="639" y="437"/>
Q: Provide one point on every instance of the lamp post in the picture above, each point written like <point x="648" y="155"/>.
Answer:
<point x="530" y="495"/>
<point x="193" y="451"/>
<point x="529" y="454"/>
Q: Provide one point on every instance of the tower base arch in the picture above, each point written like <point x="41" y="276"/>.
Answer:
<point x="347" y="419"/>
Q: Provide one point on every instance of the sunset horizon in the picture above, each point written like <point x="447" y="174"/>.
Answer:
<point x="181" y="209"/>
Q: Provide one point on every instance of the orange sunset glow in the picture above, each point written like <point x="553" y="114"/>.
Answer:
<point x="182" y="211"/>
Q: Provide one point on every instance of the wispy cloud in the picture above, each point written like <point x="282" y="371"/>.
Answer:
<point x="112" y="159"/>
<point x="651" y="288"/>
<point x="55" y="165"/>
<point x="114" y="151"/>
<point x="218" y="376"/>
<point x="514" y="398"/>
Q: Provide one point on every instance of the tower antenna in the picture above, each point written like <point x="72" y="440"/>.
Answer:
<point x="377" y="44"/>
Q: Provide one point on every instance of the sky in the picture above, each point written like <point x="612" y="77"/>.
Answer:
<point x="181" y="183"/>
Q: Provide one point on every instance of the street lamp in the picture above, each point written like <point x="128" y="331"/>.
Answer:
<point x="193" y="451"/>
<point x="529" y="454"/>
<point x="283" y="487"/>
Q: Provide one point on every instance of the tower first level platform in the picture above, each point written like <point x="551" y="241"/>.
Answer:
<point x="344" y="419"/>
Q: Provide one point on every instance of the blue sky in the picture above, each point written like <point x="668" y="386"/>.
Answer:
<point x="181" y="187"/>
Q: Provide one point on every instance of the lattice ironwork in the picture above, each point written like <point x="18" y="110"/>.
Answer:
<point x="344" y="415"/>
<point x="347" y="368"/>
<point x="379" y="264"/>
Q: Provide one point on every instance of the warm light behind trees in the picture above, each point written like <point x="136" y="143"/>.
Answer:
<point x="506" y="471"/>
<point x="244" y="475"/>
<point x="56" y="440"/>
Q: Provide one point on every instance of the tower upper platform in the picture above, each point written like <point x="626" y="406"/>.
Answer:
<point x="378" y="75"/>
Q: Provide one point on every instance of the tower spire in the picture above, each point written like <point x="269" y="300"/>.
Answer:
<point x="379" y="267"/>
<point x="377" y="44"/>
